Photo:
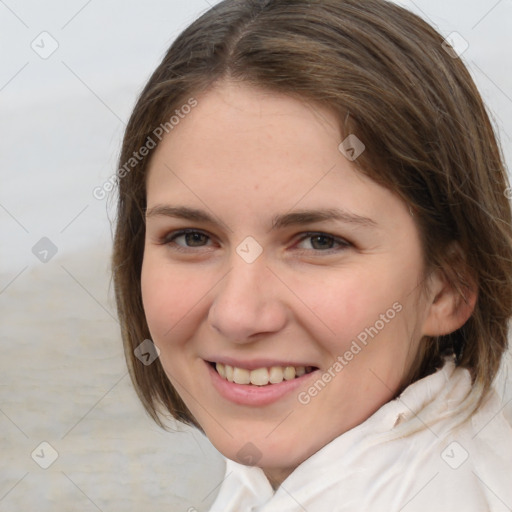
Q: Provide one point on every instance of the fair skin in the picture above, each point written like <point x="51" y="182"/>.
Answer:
<point x="243" y="157"/>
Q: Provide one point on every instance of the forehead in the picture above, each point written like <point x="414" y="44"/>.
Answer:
<point x="243" y="127"/>
<point x="243" y="149"/>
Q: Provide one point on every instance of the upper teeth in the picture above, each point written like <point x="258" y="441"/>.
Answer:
<point x="260" y="376"/>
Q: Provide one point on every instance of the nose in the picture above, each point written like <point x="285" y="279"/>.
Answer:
<point x="248" y="303"/>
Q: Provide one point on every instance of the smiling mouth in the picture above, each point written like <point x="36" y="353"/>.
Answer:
<point x="261" y="376"/>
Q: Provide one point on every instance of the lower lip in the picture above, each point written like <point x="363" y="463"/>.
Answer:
<point x="248" y="394"/>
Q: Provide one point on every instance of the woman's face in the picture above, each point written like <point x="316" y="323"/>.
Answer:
<point x="268" y="254"/>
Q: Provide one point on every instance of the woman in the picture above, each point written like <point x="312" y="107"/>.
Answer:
<point x="315" y="236"/>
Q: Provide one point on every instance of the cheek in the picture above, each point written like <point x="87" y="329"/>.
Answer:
<point x="358" y="304"/>
<point x="345" y="301"/>
<point x="170" y="299"/>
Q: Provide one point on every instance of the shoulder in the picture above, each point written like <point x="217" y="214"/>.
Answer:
<point x="453" y="462"/>
<point x="422" y="452"/>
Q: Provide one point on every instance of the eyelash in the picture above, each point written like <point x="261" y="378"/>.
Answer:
<point x="170" y="238"/>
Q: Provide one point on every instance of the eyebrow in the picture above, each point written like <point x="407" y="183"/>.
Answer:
<point x="301" y="217"/>
<point x="295" y="218"/>
<point x="180" y="212"/>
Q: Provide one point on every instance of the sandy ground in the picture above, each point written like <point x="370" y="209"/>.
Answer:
<point x="64" y="382"/>
<point x="62" y="374"/>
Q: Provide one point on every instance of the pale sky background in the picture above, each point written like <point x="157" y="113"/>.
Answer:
<point x="62" y="118"/>
<point x="62" y="374"/>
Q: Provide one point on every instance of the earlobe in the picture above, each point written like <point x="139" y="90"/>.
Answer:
<point x="449" y="306"/>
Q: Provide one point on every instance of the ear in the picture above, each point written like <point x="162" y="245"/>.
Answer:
<point x="451" y="299"/>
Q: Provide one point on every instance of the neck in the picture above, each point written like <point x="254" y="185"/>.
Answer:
<point x="277" y="476"/>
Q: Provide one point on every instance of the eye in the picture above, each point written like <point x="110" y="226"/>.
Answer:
<point x="322" y="242"/>
<point x="187" y="238"/>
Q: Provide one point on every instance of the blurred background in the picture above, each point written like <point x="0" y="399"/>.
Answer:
<point x="69" y="76"/>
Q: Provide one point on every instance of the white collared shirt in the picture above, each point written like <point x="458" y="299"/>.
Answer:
<point x="374" y="468"/>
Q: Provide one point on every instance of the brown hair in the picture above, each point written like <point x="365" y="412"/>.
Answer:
<point x="390" y="80"/>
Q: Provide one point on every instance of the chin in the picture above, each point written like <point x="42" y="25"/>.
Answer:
<point x="263" y="446"/>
